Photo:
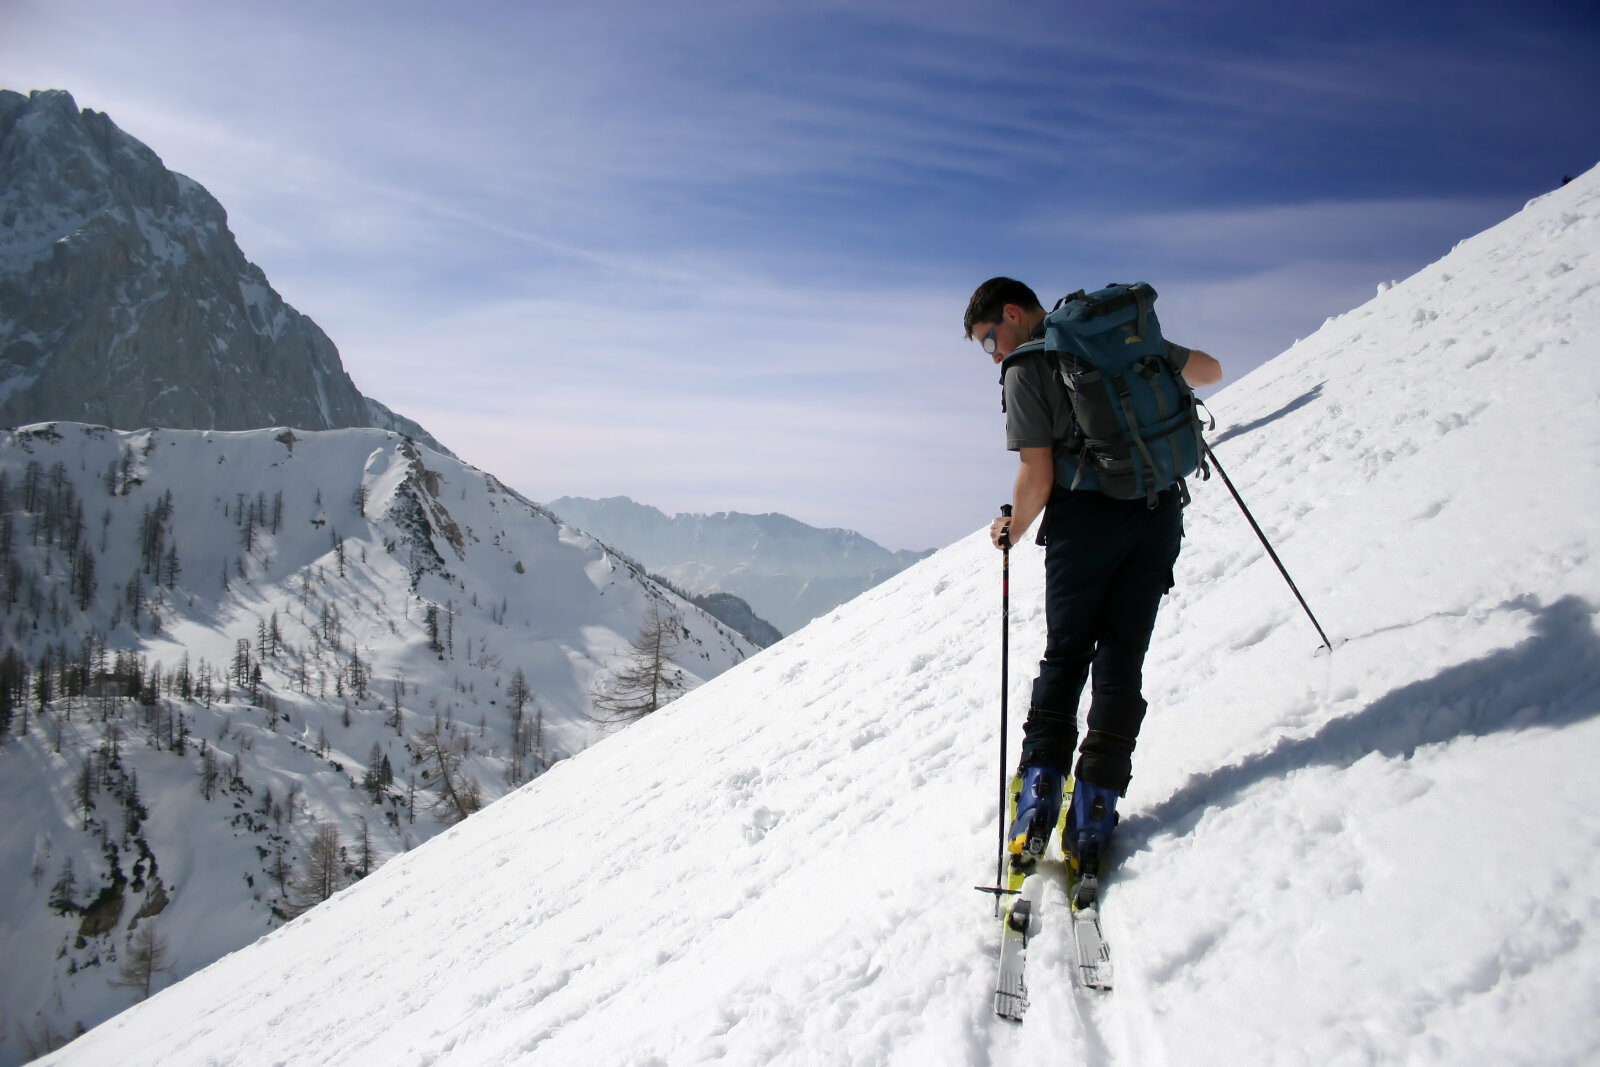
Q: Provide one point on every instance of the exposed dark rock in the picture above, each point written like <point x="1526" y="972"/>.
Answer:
<point x="125" y="301"/>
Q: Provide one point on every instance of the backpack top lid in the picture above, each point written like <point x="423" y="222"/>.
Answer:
<point x="1079" y="320"/>
<point x="1115" y="295"/>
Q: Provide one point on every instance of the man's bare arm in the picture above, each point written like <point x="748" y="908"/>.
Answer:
<point x="1201" y="369"/>
<point x="1036" y="474"/>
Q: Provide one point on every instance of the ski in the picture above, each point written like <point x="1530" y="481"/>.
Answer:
<point x="1020" y="894"/>
<point x="1094" y="954"/>
<point x="1015" y="898"/>
<point x="1083" y="897"/>
<point x="1019" y="918"/>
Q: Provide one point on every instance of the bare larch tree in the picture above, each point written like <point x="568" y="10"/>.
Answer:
<point x="648" y="679"/>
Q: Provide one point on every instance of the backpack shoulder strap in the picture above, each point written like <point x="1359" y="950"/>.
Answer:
<point x="1027" y="348"/>
<point x="1022" y="351"/>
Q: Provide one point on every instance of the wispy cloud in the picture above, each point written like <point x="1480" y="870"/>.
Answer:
<point x="714" y="254"/>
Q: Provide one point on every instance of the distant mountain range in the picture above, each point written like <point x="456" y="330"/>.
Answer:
<point x="788" y="572"/>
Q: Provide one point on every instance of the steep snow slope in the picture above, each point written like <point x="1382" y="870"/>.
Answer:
<point x="1383" y="855"/>
<point x="407" y="591"/>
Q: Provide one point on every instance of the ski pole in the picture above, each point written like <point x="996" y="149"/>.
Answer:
<point x="1005" y="660"/>
<point x="1268" y="546"/>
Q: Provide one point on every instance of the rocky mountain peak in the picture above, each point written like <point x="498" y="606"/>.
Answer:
<point x="125" y="300"/>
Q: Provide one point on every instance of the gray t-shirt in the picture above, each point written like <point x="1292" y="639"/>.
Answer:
<point x="1037" y="411"/>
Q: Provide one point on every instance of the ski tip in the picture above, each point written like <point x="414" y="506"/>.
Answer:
<point x="1010" y="1006"/>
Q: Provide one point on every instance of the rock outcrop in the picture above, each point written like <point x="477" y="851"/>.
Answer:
<point x="125" y="301"/>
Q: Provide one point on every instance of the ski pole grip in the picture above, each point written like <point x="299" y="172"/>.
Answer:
<point x="1005" y="538"/>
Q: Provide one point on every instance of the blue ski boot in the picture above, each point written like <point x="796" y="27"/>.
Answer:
<point x="1085" y="837"/>
<point x="1038" y="806"/>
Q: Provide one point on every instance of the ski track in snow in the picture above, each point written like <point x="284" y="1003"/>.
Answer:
<point x="1387" y="855"/>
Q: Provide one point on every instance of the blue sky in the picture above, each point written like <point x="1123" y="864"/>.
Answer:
<point x="714" y="255"/>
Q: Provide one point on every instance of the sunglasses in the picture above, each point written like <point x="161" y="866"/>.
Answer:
<point x="988" y="341"/>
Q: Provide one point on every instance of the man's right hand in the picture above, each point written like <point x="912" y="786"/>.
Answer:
<point x="1000" y="532"/>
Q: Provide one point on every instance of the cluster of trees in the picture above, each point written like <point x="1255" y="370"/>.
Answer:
<point x="90" y="678"/>
<point x="254" y="514"/>
<point x="529" y="757"/>
<point x="158" y="554"/>
<point x="98" y="681"/>
<point x="44" y="510"/>
<point x="102" y="769"/>
<point x="95" y="682"/>
<point x="379" y="775"/>
<point x="328" y="867"/>
<point x="107" y="798"/>
<point x="441" y="627"/>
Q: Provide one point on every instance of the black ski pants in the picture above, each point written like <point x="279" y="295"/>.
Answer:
<point x="1107" y="564"/>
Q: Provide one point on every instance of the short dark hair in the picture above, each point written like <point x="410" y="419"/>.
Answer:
<point x="990" y="299"/>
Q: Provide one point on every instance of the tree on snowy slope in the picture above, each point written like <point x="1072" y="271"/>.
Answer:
<point x="518" y="693"/>
<point x="527" y="732"/>
<point x="456" y="795"/>
<point x="323" y="874"/>
<point x="378" y="774"/>
<point x="648" y="679"/>
<point x="367" y="857"/>
<point x="148" y="956"/>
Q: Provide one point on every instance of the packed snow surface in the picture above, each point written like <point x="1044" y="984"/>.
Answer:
<point x="1384" y="855"/>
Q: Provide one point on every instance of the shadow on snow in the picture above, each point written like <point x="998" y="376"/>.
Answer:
<point x="1551" y="679"/>
<point x="1314" y="393"/>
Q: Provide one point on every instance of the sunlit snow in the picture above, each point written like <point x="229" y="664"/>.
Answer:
<point x="1385" y="855"/>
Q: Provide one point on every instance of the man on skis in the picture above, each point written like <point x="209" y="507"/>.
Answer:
<point x="1108" y="562"/>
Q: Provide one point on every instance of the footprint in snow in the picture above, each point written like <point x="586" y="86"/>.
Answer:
<point x="761" y="820"/>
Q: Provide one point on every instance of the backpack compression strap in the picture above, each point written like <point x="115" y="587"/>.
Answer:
<point x="1125" y="398"/>
<point x="1198" y="426"/>
<point x="1149" y="367"/>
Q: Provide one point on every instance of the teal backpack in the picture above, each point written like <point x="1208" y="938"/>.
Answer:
<point x="1136" y="421"/>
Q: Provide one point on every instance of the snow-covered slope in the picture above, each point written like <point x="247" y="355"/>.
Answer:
<point x="1386" y="855"/>
<point x="295" y="608"/>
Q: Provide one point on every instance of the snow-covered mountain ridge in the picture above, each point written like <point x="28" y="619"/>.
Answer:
<point x="240" y="637"/>
<point x="1386" y="855"/>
